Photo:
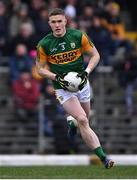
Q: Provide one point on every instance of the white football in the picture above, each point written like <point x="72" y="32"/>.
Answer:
<point x="74" y="81"/>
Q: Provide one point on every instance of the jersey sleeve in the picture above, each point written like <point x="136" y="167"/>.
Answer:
<point x="87" y="45"/>
<point x="41" y="55"/>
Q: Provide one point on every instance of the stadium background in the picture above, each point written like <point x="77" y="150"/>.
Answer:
<point x="41" y="129"/>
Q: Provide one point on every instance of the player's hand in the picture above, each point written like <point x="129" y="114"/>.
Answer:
<point x="83" y="76"/>
<point x="61" y="81"/>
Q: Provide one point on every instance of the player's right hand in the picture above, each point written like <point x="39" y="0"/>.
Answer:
<point x="63" y="83"/>
<point x="83" y="76"/>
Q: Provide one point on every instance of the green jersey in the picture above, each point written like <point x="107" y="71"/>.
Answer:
<point x="64" y="54"/>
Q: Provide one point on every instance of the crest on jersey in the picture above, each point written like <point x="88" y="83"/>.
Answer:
<point x="73" y="45"/>
<point x="53" y="50"/>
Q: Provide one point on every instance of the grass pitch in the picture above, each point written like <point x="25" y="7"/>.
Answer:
<point x="68" y="172"/>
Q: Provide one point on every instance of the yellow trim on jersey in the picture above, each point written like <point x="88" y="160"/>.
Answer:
<point x="87" y="45"/>
<point x="42" y="56"/>
<point x="65" y="57"/>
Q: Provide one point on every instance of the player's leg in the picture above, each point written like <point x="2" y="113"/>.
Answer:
<point x="86" y="106"/>
<point x="85" y="96"/>
<point x="72" y="127"/>
<point x="63" y="96"/>
<point x="108" y="163"/>
<point x="73" y="107"/>
<point x="72" y="122"/>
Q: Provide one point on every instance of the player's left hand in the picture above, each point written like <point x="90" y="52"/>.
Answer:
<point x="83" y="76"/>
<point x="61" y="81"/>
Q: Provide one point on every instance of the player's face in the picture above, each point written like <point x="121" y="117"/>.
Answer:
<point x="58" y="25"/>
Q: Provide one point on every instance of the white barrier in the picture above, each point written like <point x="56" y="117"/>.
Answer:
<point x="37" y="160"/>
<point x="30" y="160"/>
<point x="124" y="159"/>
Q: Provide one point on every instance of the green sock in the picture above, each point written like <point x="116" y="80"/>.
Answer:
<point x="100" y="153"/>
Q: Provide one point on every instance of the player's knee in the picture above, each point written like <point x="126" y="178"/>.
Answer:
<point x="82" y="120"/>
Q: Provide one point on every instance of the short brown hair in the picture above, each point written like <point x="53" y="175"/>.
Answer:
<point x="56" y="11"/>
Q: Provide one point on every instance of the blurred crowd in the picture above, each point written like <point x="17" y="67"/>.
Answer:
<point x="24" y="23"/>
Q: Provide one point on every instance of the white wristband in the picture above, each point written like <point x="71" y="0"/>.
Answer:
<point x="87" y="70"/>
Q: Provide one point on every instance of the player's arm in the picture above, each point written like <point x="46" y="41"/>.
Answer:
<point x="87" y="46"/>
<point x="42" y="68"/>
<point x="41" y="64"/>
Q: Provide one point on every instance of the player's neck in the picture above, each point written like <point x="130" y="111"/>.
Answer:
<point x="61" y="35"/>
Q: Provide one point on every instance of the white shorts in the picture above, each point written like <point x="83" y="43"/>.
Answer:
<point x="84" y="95"/>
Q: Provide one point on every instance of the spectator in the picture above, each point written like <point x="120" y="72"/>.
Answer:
<point x="19" y="61"/>
<point x="112" y="21"/>
<point x="14" y="5"/>
<point x="70" y="8"/>
<point x="53" y="4"/>
<point x="25" y="36"/>
<point x="20" y="16"/>
<point x="35" y="6"/>
<point x="85" y="19"/>
<point x="26" y="95"/>
<point x="41" y="23"/>
<point x="102" y="39"/>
